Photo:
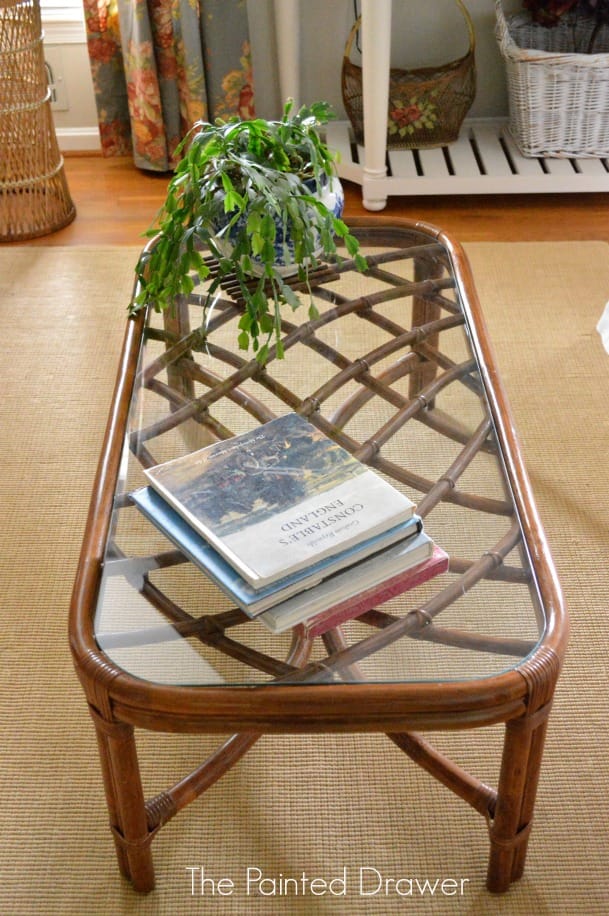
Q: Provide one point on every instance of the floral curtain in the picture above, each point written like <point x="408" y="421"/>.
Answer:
<point x="160" y="65"/>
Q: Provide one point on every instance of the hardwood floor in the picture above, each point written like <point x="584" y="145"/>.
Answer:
<point x="116" y="203"/>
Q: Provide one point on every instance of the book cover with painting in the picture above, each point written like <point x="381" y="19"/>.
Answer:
<point x="279" y="498"/>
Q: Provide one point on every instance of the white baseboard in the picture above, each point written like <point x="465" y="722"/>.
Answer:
<point x="77" y="139"/>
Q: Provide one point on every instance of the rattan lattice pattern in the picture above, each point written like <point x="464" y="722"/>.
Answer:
<point x="407" y="400"/>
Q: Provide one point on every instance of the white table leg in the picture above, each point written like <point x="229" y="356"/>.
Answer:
<point x="288" y="50"/>
<point x="376" y="53"/>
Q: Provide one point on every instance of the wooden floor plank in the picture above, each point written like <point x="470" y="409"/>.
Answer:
<point x="116" y="203"/>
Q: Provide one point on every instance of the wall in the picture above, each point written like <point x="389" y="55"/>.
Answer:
<point x="74" y="113"/>
<point x="423" y="34"/>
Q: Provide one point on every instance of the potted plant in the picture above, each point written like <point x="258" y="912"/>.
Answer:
<point x="556" y="55"/>
<point x="262" y="196"/>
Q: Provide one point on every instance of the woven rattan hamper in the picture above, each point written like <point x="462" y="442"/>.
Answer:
<point x="34" y="196"/>
<point x="558" y="96"/>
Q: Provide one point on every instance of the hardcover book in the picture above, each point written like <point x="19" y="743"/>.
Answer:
<point x="254" y="601"/>
<point x="408" y="579"/>
<point x="280" y="498"/>
<point x="358" y="582"/>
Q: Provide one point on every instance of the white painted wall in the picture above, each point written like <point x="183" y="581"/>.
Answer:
<point x="423" y="34"/>
<point x="65" y="51"/>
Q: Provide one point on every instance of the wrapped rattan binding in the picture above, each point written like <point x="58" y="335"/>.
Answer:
<point x="558" y="95"/>
<point x="426" y="105"/>
<point x="34" y="197"/>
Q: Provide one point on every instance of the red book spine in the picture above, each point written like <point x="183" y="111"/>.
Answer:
<point x="352" y="607"/>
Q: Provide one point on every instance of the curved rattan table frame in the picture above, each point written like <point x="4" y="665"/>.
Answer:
<point x="521" y="698"/>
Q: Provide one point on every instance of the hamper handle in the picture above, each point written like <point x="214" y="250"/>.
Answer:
<point x="464" y="10"/>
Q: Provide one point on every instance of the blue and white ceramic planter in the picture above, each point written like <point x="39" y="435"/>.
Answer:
<point x="331" y="194"/>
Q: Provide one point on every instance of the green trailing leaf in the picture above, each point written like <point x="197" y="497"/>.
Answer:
<point x="187" y="285"/>
<point x="266" y="323"/>
<point x="232" y="199"/>
<point x="246" y="264"/>
<point x="263" y="353"/>
<point x="361" y="263"/>
<point x="290" y="297"/>
<point x="245" y="322"/>
<point x="351" y="245"/>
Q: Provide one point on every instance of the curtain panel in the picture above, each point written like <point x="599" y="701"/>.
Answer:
<point x="160" y="65"/>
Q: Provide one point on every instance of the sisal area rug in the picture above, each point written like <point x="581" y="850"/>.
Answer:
<point x="295" y="804"/>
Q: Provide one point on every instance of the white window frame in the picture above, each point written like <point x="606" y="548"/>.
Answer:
<point x="62" y="10"/>
<point x="63" y="21"/>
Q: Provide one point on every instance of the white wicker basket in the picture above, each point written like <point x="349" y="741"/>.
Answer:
<point x="558" y="96"/>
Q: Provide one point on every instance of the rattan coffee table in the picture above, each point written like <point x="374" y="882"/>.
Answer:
<point x="398" y="369"/>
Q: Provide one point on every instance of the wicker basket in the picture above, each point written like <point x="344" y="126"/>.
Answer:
<point x="558" y="97"/>
<point x="426" y="106"/>
<point x="34" y="197"/>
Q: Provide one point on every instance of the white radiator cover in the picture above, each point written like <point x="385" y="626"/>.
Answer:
<point x="485" y="160"/>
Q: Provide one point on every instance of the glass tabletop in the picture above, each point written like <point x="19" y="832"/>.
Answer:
<point x="387" y="369"/>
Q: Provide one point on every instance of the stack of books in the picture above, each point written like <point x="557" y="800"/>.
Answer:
<point x="290" y="526"/>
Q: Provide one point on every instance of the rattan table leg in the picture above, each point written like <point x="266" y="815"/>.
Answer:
<point x="424" y="311"/>
<point x="102" y="743"/>
<point x="528" y="803"/>
<point x="177" y="324"/>
<point x="125" y="800"/>
<point x="511" y="826"/>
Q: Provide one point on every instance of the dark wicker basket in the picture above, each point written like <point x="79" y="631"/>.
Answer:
<point x="426" y="106"/>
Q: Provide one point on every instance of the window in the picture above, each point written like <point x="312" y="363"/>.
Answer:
<point x="63" y="21"/>
<point x="62" y="10"/>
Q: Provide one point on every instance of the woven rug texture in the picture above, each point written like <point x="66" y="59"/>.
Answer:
<point x="294" y="804"/>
